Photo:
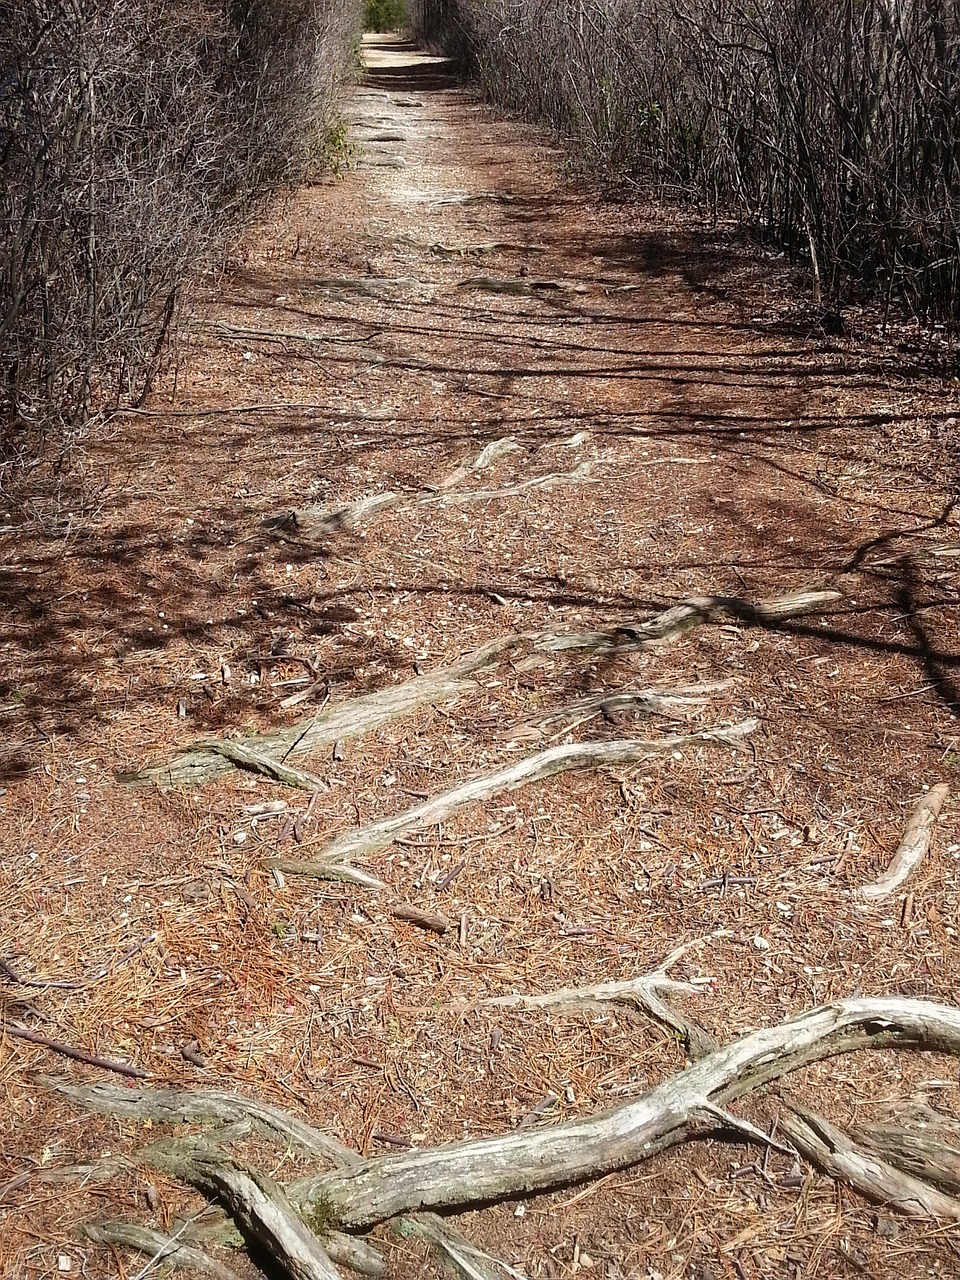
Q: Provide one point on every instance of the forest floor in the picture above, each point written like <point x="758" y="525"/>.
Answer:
<point x="704" y="437"/>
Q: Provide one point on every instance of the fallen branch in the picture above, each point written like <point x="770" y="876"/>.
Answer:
<point x="422" y="919"/>
<point x="686" y="1106"/>
<point x="546" y="764"/>
<point x="913" y="847"/>
<point x="832" y="1151"/>
<point x="643" y="993"/>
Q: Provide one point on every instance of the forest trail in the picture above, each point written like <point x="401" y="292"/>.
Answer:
<point x="567" y="415"/>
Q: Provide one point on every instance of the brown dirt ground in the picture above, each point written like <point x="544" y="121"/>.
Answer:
<point x="737" y="449"/>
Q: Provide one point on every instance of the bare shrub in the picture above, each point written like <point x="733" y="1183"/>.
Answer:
<point x="134" y="135"/>
<point x="832" y="124"/>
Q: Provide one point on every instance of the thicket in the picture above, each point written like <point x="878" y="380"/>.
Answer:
<point x="834" y="125"/>
<point x="384" y="15"/>
<point x="135" y="137"/>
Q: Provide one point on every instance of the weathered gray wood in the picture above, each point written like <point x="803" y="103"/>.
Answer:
<point x="699" y="610"/>
<point x="644" y="993"/>
<point x="367" y="712"/>
<point x="341" y="721"/>
<point x="913" y="847"/>
<point x="216" y="1107"/>
<point x="248" y="757"/>
<point x="456" y="1251"/>
<point x="326" y="869"/>
<point x="545" y="764"/>
<point x="680" y="698"/>
<point x="922" y="1142"/>
<point x="166" y="1251"/>
<point x="257" y="1204"/>
<point x="521" y="286"/>
<point x="682" y="1107"/>
<point x="202" y="1106"/>
<point x="833" y="1151"/>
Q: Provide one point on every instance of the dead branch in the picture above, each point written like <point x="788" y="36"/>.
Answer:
<point x="643" y="993"/>
<point x="422" y="919"/>
<point x="546" y="764"/>
<point x="913" y="847"/>
<point x="836" y="1154"/>
<point x="686" y="1106"/>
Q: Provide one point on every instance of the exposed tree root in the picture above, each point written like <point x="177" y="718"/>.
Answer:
<point x="363" y="714"/>
<point x="341" y="722"/>
<point x="162" y="1249"/>
<point x="644" y="993"/>
<point x="836" y="1154"/>
<point x="925" y="1145"/>
<point x="913" y="847"/>
<point x="257" y="1204"/>
<point x="546" y="764"/>
<point x="687" y="1106"/>
<point x="691" y="1105"/>
<point x="696" y="612"/>
<point x="320" y="522"/>
<point x="521" y="286"/>
<point x="669" y="701"/>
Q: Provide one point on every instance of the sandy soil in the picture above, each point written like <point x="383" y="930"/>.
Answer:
<point x="704" y="436"/>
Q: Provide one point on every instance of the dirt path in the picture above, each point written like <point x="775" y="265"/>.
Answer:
<point x="676" y="431"/>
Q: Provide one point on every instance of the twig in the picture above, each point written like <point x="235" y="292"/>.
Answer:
<point x="68" y="1051"/>
<point x="424" y="919"/>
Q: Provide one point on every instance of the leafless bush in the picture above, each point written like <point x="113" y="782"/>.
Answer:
<point x="134" y="135"/>
<point x="832" y="124"/>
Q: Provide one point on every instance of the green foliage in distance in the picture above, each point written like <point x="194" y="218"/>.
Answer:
<point x="384" y="15"/>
